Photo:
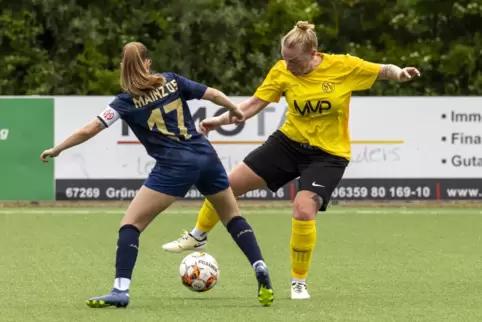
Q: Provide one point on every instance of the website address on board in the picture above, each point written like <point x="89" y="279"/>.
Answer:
<point x="463" y="193"/>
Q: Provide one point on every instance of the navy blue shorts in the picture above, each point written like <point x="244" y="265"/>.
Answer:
<point x="175" y="177"/>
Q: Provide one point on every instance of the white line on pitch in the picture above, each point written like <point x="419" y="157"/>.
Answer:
<point x="261" y="211"/>
<point x="120" y="211"/>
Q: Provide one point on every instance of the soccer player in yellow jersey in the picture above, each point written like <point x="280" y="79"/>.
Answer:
<point x="313" y="144"/>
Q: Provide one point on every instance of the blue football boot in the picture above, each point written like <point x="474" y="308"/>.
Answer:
<point x="115" y="298"/>
<point x="265" y="289"/>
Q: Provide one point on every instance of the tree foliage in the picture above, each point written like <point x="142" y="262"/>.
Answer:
<point x="73" y="47"/>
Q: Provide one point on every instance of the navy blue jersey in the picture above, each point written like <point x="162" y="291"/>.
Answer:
<point x="161" y="120"/>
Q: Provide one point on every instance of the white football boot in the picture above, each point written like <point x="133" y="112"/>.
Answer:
<point x="186" y="243"/>
<point x="299" y="291"/>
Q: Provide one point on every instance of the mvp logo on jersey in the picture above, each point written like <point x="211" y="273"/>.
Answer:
<point x="312" y="107"/>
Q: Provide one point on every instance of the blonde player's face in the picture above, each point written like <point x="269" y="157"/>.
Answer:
<point x="297" y="61"/>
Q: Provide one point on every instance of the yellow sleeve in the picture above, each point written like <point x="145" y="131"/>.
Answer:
<point x="362" y="74"/>
<point x="271" y="89"/>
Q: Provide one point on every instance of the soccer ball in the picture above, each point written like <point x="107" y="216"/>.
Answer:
<point x="199" y="272"/>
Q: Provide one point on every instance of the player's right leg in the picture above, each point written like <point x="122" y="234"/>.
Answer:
<point x="143" y="209"/>
<point x="165" y="182"/>
<point x="270" y="165"/>
<point x="317" y="182"/>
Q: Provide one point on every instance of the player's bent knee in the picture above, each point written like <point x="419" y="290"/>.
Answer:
<point x="147" y="204"/>
<point x="138" y="224"/>
<point x="137" y="219"/>
<point x="306" y="205"/>
<point x="303" y="212"/>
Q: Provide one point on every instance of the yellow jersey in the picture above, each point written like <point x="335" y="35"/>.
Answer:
<point x="318" y="102"/>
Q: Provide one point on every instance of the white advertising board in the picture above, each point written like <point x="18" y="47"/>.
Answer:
<point x="392" y="137"/>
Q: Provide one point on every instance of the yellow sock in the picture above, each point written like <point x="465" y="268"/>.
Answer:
<point x="303" y="239"/>
<point x="207" y="217"/>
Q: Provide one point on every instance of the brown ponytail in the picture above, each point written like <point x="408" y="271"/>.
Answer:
<point x="135" y="77"/>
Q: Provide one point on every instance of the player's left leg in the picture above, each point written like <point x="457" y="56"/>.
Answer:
<point x="226" y="207"/>
<point x="317" y="183"/>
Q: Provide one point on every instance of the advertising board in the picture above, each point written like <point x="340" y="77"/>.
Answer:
<point x="402" y="148"/>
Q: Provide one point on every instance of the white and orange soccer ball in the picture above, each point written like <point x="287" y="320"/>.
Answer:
<point x="199" y="272"/>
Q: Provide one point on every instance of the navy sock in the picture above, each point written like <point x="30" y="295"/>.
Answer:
<point x="127" y="249"/>
<point x="243" y="235"/>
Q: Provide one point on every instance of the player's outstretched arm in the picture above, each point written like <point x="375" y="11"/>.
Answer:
<point x="88" y="131"/>
<point x="219" y="98"/>
<point x="250" y="108"/>
<point x="393" y="72"/>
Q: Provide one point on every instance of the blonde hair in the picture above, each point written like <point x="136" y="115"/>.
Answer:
<point x="135" y="77"/>
<point x="303" y="33"/>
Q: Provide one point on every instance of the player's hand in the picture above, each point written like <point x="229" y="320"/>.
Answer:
<point x="236" y="116"/>
<point x="209" y="124"/>
<point x="408" y="73"/>
<point x="49" y="153"/>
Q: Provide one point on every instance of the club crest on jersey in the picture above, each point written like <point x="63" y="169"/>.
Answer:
<point x="108" y="115"/>
<point x="328" y="87"/>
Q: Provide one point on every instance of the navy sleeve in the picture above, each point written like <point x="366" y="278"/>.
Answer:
<point x="120" y="104"/>
<point x="190" y="89"/>
<point x="116" y="103"/>
<point x="111" y="113"/>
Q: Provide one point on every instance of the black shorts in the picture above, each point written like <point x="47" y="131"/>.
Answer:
<point x="280" y="160"/>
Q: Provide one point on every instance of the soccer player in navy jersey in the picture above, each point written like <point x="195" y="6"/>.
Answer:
<point x="155" y="108"/>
